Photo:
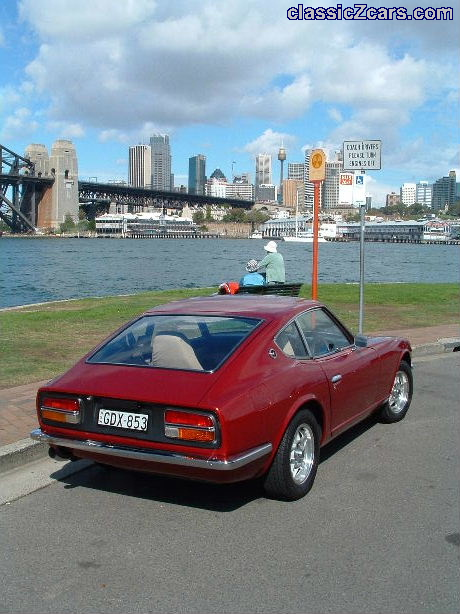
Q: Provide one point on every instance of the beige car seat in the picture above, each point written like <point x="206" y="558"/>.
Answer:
<point x="173" y="352"/>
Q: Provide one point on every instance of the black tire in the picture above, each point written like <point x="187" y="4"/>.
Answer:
<point x="397" y="405"/>
<point x="294" y="467"/>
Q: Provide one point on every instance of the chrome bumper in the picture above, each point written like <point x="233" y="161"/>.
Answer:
<point x="155" y="456"/>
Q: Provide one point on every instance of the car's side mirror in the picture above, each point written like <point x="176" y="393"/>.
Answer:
<point x="360" y="341"/>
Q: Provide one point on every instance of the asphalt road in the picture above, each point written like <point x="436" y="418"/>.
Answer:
<point x="379" y="532"/>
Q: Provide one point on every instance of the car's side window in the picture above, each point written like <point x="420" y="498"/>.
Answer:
<point x="290" y="342"/>
<point x="322" y="334"/>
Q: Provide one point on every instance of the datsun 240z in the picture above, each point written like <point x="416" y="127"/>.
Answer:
<point x="224" y="389"/>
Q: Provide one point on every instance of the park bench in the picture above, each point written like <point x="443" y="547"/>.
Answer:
<point x="287" y="289"/>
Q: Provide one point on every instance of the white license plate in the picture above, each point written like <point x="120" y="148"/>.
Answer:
<point x="123" y="420"/>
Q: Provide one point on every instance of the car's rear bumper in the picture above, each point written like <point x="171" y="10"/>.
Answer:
<point x="160" y="461"/>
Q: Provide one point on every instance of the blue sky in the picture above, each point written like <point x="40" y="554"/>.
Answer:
<point x="229" y="79"/>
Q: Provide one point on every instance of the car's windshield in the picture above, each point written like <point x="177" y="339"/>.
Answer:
<point x="191" y="342"/>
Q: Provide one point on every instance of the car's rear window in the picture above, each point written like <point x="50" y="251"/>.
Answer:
<point x="191" y="342"/>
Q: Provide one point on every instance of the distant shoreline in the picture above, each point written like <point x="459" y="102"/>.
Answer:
<point x="224" y="237"/>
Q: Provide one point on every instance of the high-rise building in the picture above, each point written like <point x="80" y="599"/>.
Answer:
<point x="293" y="193"/>
<point x="161" y="162"/>
<point x="197" y="174"/>
<point x="296" y="170"/>
<point x="330" y="192"/>
<point x="263" y="171"/>
<point x="309" y="187"/>
<point x="267" y="192"/>
<point x="444" y="192"/>
<point x="423" y="193"/>
<point x="408" y="192"/>
<point x="140" y="166"/>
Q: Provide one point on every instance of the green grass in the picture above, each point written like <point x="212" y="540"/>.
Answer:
<point x="39" y="342"/>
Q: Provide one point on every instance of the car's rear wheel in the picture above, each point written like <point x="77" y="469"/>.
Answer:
<point x="294" y="467"/>
<point x="400" y="397"/>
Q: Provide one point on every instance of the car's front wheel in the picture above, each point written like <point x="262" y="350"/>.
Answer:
<point x="294" y="467"/>
<point x="400" y="397"/>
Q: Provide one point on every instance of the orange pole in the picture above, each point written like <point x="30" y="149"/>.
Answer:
<point x="314" y="273"/>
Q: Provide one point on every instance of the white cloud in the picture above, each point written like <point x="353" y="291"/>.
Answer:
<point x="66" y="130"/>
<point x="335" y="114"/>
<point x="269" y="142"/>
<point x="67" y="20"/>
<point x="19" y="124"/>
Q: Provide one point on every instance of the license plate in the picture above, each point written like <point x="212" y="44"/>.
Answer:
<point x="123" y="420"/>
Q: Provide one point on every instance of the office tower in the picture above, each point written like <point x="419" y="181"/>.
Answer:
<point x="293" y="193"/>
<point x="444" y="192"/>
<point x="161" y="162"/>
<point x="240" y="190"/>
<point x="263" y="171"/>
<point x="296" y="170"/>
<point x="407" y="192"/>
<point x="267" y="192"/>
<point x="423" y="193"/>
<point x="197" y="174"/>
<point x="309" y="188"/>
<point x="140" y="166"/>
<point x="216" y="184"/>
<point x="330" y="192"/>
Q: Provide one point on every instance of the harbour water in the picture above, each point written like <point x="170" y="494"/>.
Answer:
<point x="47" y="269"/>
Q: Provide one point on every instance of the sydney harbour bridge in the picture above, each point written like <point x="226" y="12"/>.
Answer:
<point x="31" y="198"/>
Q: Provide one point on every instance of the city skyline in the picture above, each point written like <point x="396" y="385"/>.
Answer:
<point x="110" y="76"/>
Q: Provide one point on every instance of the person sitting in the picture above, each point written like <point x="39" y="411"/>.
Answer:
<point x="274" y="265"/>
<point x="252" y="277"/>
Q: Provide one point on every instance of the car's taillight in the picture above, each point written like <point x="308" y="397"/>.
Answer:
<point x="60" y="409"/>
<point x="189" y="426"/>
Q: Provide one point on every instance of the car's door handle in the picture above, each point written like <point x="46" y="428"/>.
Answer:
<point x="336" y="378"/>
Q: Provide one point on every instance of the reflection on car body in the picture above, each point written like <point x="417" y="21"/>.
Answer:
<point x="223" y="389"/>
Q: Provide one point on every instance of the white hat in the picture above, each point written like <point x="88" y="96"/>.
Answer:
<point x="271" y="246"/>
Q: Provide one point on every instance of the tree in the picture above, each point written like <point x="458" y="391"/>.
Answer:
<point x="68" y="224"/>
<point x="198" y="217"/>
<point x="256" y="216"/>
<point x="454" y="210"/>
<point x="235" y="215"/>
<point x="208" y="214"/>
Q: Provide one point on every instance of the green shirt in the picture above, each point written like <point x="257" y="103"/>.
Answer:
<point x="274" y="267"/>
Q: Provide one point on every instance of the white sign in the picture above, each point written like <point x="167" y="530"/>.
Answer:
<point x="346" y="189"/>
<point x="362" y="155"/>
<point x="359" y="189"/>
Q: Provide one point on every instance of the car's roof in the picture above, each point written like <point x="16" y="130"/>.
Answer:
<point x="248" y="305"/>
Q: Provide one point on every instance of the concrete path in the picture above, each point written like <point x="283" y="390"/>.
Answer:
<point x="17" y="405"/>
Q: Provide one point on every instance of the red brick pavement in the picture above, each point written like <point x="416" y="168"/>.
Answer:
<point x="17" y="405"/>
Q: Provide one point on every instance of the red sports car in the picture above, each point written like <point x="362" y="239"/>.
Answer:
<point x="225" y="388"/>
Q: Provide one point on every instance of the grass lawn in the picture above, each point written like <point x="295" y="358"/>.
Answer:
<point x="39" y="342"/>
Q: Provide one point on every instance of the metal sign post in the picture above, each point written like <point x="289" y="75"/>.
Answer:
<point x="362" y="211"/>
<point x="317" y="174"/>
<point x="314" y="270"/>
<point x="360" y="156"/>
